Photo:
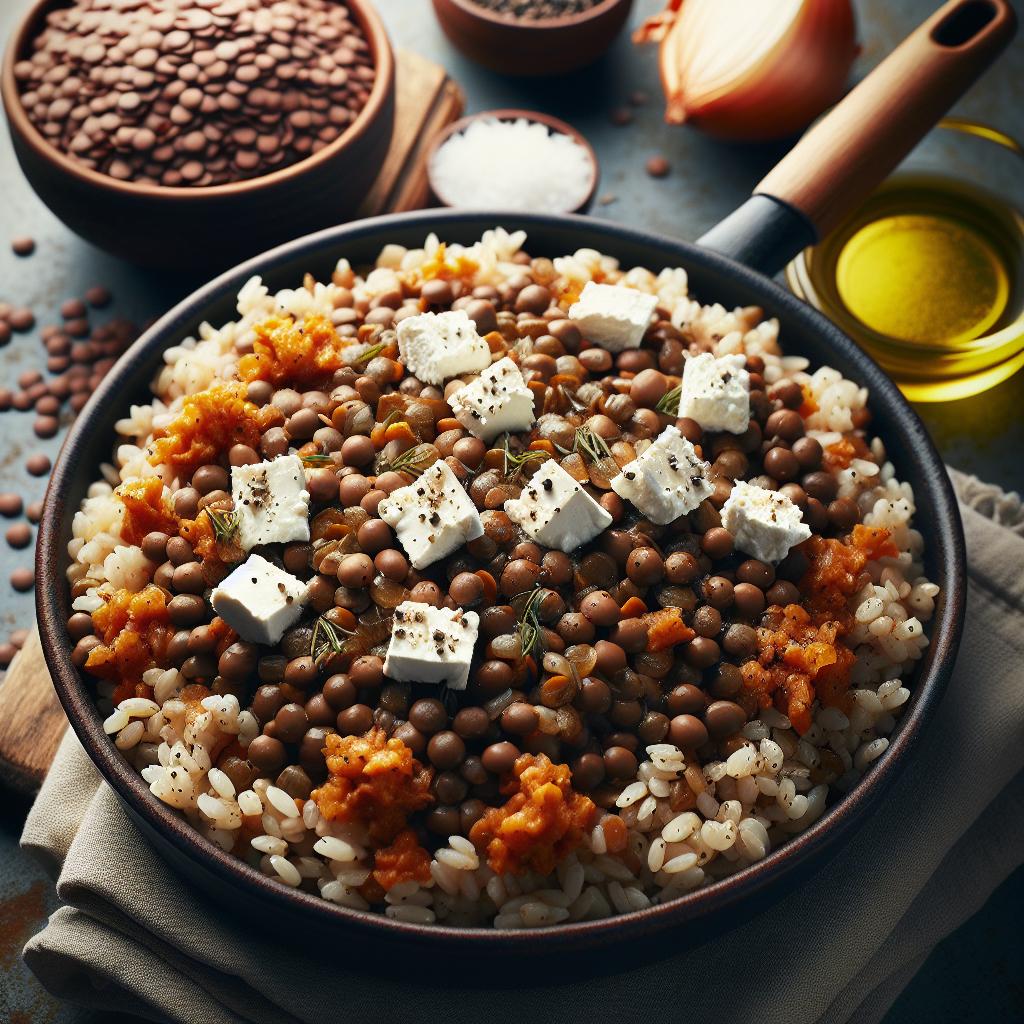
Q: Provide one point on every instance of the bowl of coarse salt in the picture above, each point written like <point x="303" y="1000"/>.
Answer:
<point x="512" y="160"/>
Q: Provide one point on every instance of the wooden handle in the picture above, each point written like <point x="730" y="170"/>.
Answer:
<point x="851" y="150"/>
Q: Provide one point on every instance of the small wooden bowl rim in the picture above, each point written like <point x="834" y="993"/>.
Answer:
<point x="20" y="122"/>
<point x="513" y="114"/>
<point x="474" y="10"/>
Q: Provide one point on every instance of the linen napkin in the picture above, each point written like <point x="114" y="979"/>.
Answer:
<point x="840" y="948"/>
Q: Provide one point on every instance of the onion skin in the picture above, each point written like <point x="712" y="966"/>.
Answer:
<point x="792" y="83"/>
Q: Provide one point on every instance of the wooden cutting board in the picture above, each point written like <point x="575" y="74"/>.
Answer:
<point x="32" y="721"/>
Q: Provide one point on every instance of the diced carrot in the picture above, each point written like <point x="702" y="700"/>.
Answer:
<point x="542" y="444"/>
<point x="539" y="389"/>
<point x="490" y="587"/>
<point x="495" y="341"/>
<point x="400" y="431"/>
<point x="616" y="835"/>
<point x="873" y="541"/>
<point x="665" y="629"/>
<point x="633" y="608"/>
<point x="563" y="378"/>
<point x="448" y="423"/>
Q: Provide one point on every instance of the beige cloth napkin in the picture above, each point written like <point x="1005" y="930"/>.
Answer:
<point x="840" y="948"/>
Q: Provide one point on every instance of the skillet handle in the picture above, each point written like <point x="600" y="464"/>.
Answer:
<point x="849" y="152"/>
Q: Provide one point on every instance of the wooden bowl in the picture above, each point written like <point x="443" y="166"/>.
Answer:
<point x="512" y="114"/>
<point x="215" y="226"/>
<point x="514" y="46"/>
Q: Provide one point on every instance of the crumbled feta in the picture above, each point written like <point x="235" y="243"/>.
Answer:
<point x="271" y="501"/>
<point x="496" y="401"/>
<point x="259" y="601"/>
<point x="431" y="645"/>
<point x="716" y="392"/>
<point x="613" y="316"/>
<point x="556" y="511"/>
<point x="667" y="480"/>
<point x="763" y="523"/>
<point x="433" y="516"/>
<point x="437" y="346"/>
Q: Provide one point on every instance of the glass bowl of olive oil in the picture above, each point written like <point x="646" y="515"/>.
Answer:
<point x="928" y="274"/>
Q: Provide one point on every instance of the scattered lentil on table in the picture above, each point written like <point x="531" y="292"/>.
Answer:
<point x="174" y="93"/>
<point x="23" y="245"/>
<point x="657" y="166"/>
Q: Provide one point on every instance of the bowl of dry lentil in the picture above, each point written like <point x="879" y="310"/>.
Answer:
<point x="618" y="720"/>
<point x="532" y="37"/>
<point x="190" y="135"/>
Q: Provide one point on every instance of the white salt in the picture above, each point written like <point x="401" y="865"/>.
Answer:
<point x="512" y="165"/>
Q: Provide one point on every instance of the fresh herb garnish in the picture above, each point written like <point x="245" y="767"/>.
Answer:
<point x="530" y="632"/>
<point x="589" y="443"/>
<point x="224" y="523"/>
<point x="514" y="461"/>
<point x="392" y="417"/>
<point x="372" y="352"/>
<point x="669" y="402"/>
<point x="327" y="639"/>
<point x="412" y="461"/>
<point x="316" y="460"/>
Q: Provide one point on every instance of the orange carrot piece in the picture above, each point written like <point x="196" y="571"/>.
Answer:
<point x="400" y="431"/>
<point x="448" y="423"/>
<point x="665" y="629"/>
<point x="633" y="608"/>
<point x="542" y="444"/>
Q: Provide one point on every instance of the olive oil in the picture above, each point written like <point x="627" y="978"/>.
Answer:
<point x="928" y="275"/>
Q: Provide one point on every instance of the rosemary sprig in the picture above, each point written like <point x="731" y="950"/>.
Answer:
<point x="529" y="624"/>
<point x="591" y="444"/>
<point x="372" y="352"/>
<point x="317" y="460"/>
<point x="411" y="461"/>
<point x="514" y="461"/>
<point x="669" y="402"/>
<point x="224" y="523"/>
<point x="327" y="639"/>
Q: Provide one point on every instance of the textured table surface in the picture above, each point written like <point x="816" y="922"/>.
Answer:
<point x="984" y="435"/>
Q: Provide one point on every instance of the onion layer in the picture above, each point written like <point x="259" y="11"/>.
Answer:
<point x="747" y="69"/>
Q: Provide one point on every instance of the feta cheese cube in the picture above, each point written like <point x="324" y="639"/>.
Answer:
<point x="271" y="501"/>
<point x="259" y="601"/>
<point x="497" y="401"/>
<point x="667" y="480"/>
<point x="716" y="392"/>
<point x="433" y="516"/>
<point x="613" y="316"/>
<point x="763" y="523"/>
<point x="437" y="346"/>
<point x="556" y="511"/>
<point x="431" y="645"/>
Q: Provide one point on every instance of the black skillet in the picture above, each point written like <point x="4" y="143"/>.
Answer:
<point x="833" y="167"/>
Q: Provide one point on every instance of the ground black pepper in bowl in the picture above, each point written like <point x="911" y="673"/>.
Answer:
<point x="537" y="10"/>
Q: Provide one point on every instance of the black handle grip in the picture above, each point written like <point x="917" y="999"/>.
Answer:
<point x="763" y="234"/>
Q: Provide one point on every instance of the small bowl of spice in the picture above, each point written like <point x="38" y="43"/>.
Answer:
<point x="512" y="160"/>
<point x="532" y="37"/>
<point x="190" y="133"/>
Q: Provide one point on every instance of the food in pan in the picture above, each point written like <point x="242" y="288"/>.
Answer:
<point x="490" y="589"/>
